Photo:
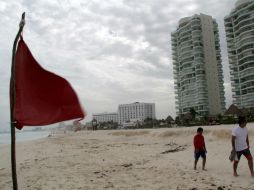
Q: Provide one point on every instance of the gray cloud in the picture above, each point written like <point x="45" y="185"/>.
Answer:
<point x="112" y="52"/>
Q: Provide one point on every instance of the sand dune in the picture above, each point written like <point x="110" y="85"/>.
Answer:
<point x="126" y="159"/>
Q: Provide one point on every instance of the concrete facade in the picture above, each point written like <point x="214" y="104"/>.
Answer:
<point x="136" y="111"/>
<point x="105" y="117"/>
<point x="239" y="26"/>
<point x="197" y="66"/>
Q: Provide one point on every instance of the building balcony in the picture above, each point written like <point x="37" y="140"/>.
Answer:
<point x="185" y="56"/>
<point x="198" y="49"/>
<point x="245" y="60"/>
<point x="244" y="33"/>
<point x="241" y="48"/>
<point x="185" y="32"/>
<point x="186" y="43"/>
<point x="244" y="51"/>
<point x="245" y="40"/>
<point x="242" y="21"/>
<point x="245" y="28"/>
<point x="246" y="71"/>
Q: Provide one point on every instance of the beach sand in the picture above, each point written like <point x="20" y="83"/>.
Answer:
<point x="126" y="159"/>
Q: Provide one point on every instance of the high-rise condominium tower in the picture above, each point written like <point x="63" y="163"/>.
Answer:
<point x="197" y="66"/>
<point x="239" y="25"/>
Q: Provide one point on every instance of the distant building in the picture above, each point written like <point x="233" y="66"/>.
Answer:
<point x="106" y="117"/>
<point x="239" y="26"/>
<point x="136" y="111"/>
<point x="197" y="66"/>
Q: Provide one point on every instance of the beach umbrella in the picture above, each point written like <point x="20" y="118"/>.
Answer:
<point x="169" y="119"/>
<point x="233" y="110"/>
<point x="37" y="97"/>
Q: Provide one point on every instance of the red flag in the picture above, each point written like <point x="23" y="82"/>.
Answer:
<point x="41" y="97"/>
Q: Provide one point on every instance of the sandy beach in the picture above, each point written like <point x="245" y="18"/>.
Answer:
<point x="126" y="159"/>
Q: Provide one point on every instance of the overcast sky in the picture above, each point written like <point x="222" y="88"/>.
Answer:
<point x="112" y="52"/>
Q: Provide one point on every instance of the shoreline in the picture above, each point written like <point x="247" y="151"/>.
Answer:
<point x="23" y="136"/>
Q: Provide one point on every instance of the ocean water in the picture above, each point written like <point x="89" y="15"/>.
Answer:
<point x="5" y="138"/>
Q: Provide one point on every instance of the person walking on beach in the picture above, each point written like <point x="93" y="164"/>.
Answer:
<point x="240" y="145"/>
<point x="199" y="148"/>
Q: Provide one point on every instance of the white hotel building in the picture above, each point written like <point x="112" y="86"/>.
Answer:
<point x="239" y="26"/>
<point x="105" y="117"/>
<point x="197" y="66"/>
<point x="135" y="112"/>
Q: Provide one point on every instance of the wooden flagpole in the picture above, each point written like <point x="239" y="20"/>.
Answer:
<point x="12" y="102"/>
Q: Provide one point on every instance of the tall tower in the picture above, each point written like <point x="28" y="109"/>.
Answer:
<point x="197" y="66"/>
<point x="239" y="25"/>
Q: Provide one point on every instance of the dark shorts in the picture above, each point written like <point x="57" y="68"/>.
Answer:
<point x="245" y="152"/>
<point x="199" y="153"/>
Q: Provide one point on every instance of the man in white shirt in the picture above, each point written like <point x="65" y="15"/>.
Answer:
<point x="240" y="144"/>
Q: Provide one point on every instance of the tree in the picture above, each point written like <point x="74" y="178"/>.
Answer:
<point x="193" y="113"/>
<point x="148" y="122"/>
<point x="177" y="120"/>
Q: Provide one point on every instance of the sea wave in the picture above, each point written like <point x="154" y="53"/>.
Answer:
<point x="5" y="138"/>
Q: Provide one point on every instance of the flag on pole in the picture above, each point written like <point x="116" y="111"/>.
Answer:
<point x="41" y="97"/>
